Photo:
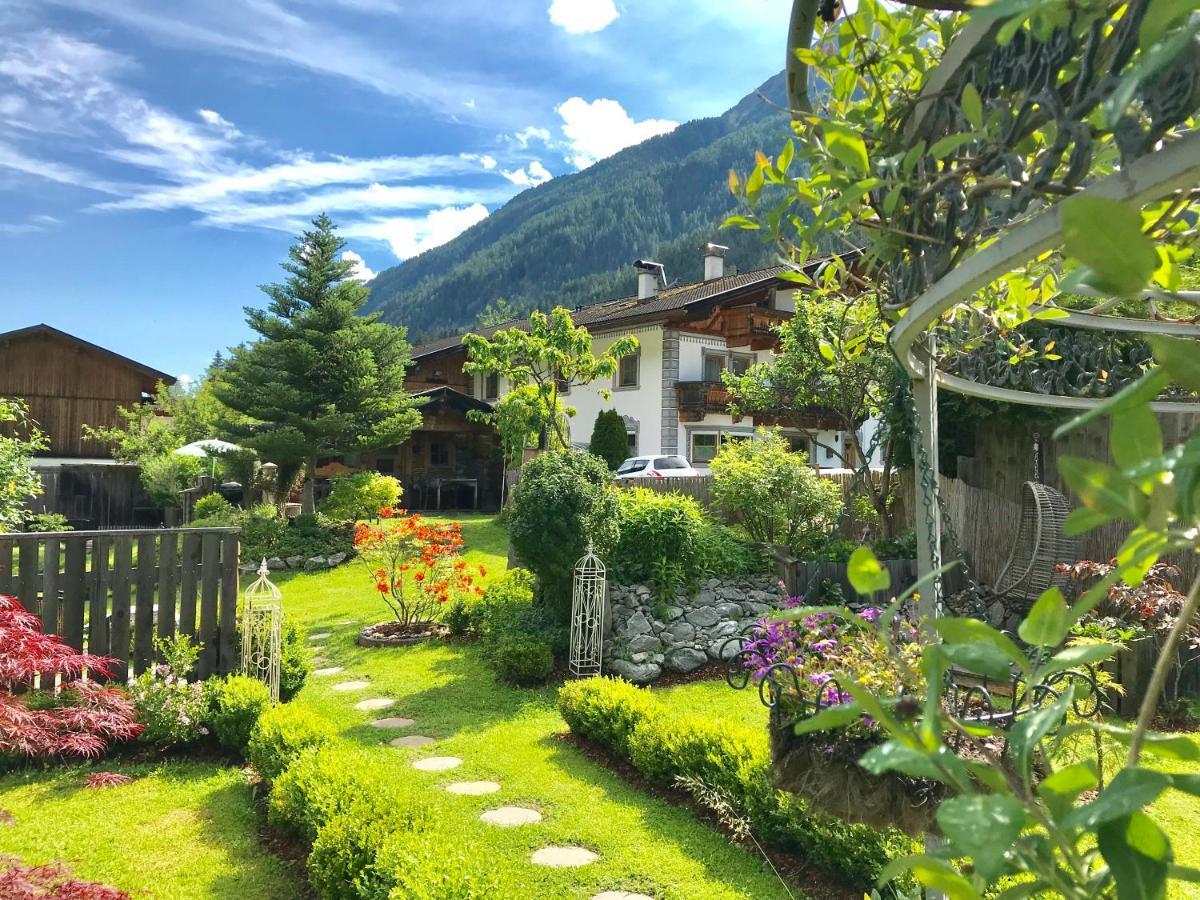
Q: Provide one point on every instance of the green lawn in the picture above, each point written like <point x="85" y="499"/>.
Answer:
<point x="182" y="830"/>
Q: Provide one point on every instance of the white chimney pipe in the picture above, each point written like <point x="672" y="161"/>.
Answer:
<point x="650" y="277"/>
<point x="714" y="261"/>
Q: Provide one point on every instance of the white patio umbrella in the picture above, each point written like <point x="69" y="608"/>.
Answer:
<point x="210" y="447"/>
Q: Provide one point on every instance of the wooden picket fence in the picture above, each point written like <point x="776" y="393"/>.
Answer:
<point x="110" y="593"/>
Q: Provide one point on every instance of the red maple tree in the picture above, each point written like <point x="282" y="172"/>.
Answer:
<point x="51" y="882"/>
<point x="80" y="719"/>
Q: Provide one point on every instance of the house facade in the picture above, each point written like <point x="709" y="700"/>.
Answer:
<point x="670" y="392"/>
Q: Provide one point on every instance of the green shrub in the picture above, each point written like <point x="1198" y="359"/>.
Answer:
<point x="433" y="864"/>
<point x="505" y="601"/>
<point x="461" y="616"/>
<point x="725" y="551"/>
<point x="47" y="521"/>
<point x="214" y="507"/>
<point x="281" y="734"/>
<point x="234" y="705"/>
<point x="523" y="659"/>
<point x="564" y="499"/>
<point x="320" y="783"/>
<point x="360" y="495"/>
<point x="295" y="663"/>
<point x="610" y="440"/>
<point x="774" y="493"/>
<point x="343" y="862"/>
<point x="638" y="728"/>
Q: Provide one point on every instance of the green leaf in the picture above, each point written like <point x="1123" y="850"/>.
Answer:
<point x="982" y="827"/>
<point x="1170" y="746"/>
<point x="1135" y="435"/>
<point x="966" y="631"/>
<point x="1048" y="620"/>
<point x="1106" y="235"/>
<point x="1140" y="550"/>
<point x="847" y="147"/>
<point x="980" y="657"/>
<point x="740" y="222"/>
<point x="1101" y="487"/>
<point x="1138" y="854"/>
<point x="972" y="106"/>
<point x="950" y="143"/>
<point x="892" y="200"/>
<point x="1078" y="656"/>
<point x="1128" y="792"/>
<point x="1060" y="789"/>
<point x="785" y="156"/>
<point x="830" y="717"/>
<point x="915" y="152"/>
<point x="1160" y="17"/>
<point x="867" y="575"/>
<point x="892" y="756"/>
<point x="1180" y="357"/>
<point x="1029" y="729"/>
<point x="1081" y="519"/>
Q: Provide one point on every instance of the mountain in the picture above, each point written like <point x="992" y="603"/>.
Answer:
<point x="572" y="240"/>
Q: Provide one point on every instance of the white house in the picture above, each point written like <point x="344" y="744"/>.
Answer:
<point x="670" y="392"/>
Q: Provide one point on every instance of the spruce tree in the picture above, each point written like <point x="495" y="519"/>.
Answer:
<point x="610" y="441"/>
<point x="321" y="380"/>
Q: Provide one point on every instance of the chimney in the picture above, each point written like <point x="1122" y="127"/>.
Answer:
<point x="714" y="261"/>
<point x="650" y="277"/>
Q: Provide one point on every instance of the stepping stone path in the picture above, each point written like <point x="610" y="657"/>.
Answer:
<point x="620" y="895"/>
<point x="511" y="816"/>
<point x="392" y="722"/>
<point x="473" y="788"/>
<point x="374" y="703"/>
<point x="332" y="670"/>
<point x="412" y="740"/>
<point x="351" y="685"/>
<point x="564" y="857"/>
<point x="320" y="636"/>
<point x="437" y="763"/>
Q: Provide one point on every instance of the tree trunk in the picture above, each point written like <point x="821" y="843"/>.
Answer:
<point x="308" y="505"/>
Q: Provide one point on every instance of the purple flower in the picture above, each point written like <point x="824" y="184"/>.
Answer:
<point x="870" y="614"/>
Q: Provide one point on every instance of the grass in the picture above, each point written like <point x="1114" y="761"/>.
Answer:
<point x="511" y="736"/>
<point x="182" y="830"/>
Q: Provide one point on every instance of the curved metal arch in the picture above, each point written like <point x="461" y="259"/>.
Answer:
<point x="1176" y="166"/>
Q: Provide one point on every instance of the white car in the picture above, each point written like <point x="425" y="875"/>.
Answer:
<point x="656" y="467"/>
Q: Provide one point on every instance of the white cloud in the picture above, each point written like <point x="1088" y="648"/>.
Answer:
<point x="526" y="136"/>
<point x="409" y="237"/>
<point x="219" y="122"/>
<point x="534" y="175"/>
<point x="599" y="129"/>
<point x="488" y="162"/>
<point x="362" y="272"/>
<point x="582" y="16"/>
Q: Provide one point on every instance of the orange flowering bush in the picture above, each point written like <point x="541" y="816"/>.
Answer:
<point x="416" y="565"/>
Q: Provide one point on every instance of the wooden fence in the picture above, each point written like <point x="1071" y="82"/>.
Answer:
<point x="699" y="487"/>
<point x="111" y="593"/>
<point x="818" y="582"/>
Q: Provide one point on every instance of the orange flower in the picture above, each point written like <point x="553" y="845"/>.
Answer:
<point x="482" y="572"/>
<point x="386" y="513"/>
<point x="382" y="587"/>
<point x="420" y="576"/>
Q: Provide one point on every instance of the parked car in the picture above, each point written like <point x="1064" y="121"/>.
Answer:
<point x="656" y="467"/>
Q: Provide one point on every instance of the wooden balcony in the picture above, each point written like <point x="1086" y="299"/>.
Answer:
<point x="752" y="327"/>
<point x="699" y="398"/>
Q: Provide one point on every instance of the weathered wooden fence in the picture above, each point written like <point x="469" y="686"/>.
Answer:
<point x="111" y="593"/>
<point x="818" y="582"/>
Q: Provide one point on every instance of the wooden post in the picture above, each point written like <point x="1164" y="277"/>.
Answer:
<point x="227" y="633"/>
<point x="189" y="560"/>
<point x="147" y="580"/>
<point x="210" y="574"/>
<point x="122" y="583"/>
<point x="50" y="596"/>
<point x="95" y="588"/>
<point x="167" y="562"/>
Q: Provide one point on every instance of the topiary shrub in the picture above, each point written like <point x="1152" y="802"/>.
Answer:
<point x="281" y="734"/>
<point x="234" y="705"/>
<point x="605" y="710"/>
<point x="524" y="659"/>
<point x="295" y="663"/>
<point x="564" y="499"/>
<point x="610" y="440"/>
<point x="360" y="496"/>
<point x="320" y="783"/>
<point x="214" y="507"/>
<point x="433" y="864"/>
<point x="461" y="615"/>
<point x="773" y="492"/>
<point x="506" y="601"/>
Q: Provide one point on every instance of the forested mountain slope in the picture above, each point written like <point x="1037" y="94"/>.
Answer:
<point x="573" y="239"/>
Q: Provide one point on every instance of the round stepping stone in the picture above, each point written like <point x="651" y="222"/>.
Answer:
<point x="473" y="788"/>
<point x="323" y="673"/>
<point x="392" y="722"/>
<point x="320" y="635"/>
<point x="412" y="740"/>
<point x="374" y="703"/>
<point x="510" y="816"/>
<point x="437" y="763"/>
<point x="620" y="895"/>
<point x="351" y="685"/>
<point x="564" y="857"/>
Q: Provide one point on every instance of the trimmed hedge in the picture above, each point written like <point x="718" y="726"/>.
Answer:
<point x="282" y="734"/>
<point x="663" y="745"/>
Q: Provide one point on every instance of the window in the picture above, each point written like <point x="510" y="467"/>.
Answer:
<point x="797" y="443"/>
<point x="439" y="453"/>
<point x="704" y="447"/>
<point x="564" y="386"/>
<point x="627" y="371"/>
<point x="385" y="465"/>
<point x="663" y="463"/>
<point x="740" y="364"/>
<point x="632" y="465"/>
<point x="491" y="386"/>
<point x="714" y="365"/>
<point x="631" y="441"/>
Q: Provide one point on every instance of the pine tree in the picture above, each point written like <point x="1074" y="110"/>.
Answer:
<point x="610" y="441"/>
<point x="321" y="380"/>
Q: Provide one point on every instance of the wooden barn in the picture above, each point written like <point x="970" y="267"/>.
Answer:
<point x="68" y="383"/>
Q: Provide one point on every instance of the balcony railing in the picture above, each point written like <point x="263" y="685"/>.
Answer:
<point x="698" y="398"/>
<point x="753" y="327"/>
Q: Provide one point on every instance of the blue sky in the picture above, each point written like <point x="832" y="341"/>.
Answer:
<point x="157" y="157"/>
